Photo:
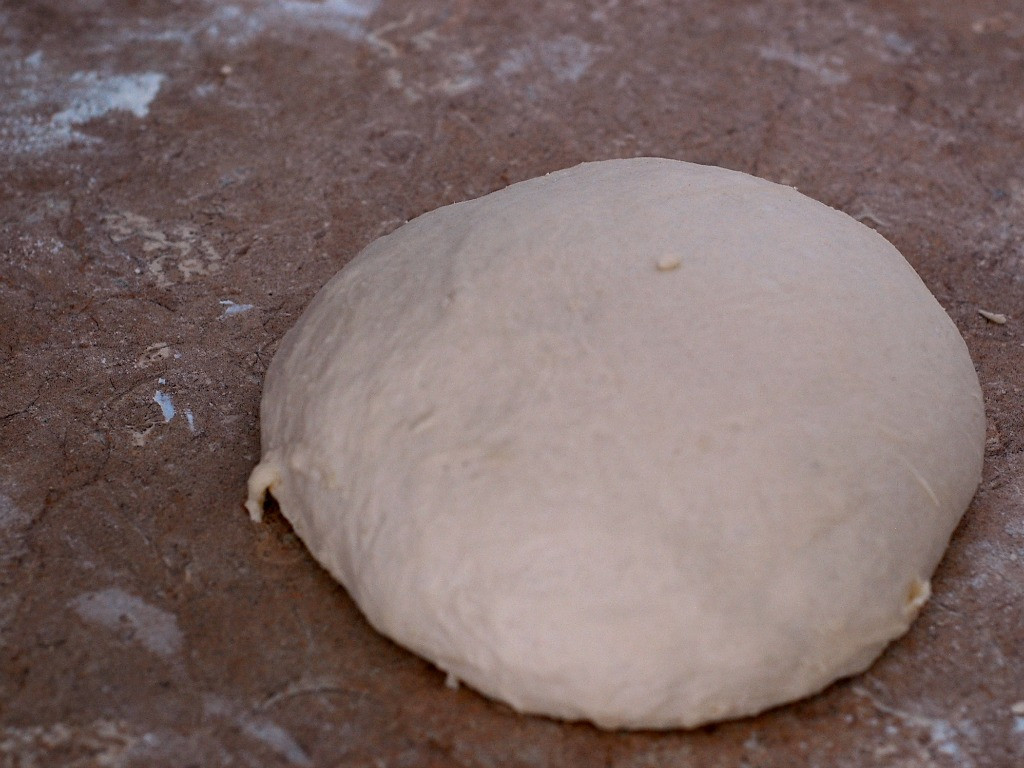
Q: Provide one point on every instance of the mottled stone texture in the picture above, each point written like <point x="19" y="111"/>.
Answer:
<point x="178" y="178"/>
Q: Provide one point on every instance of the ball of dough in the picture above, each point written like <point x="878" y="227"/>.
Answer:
<point x="640" y="442"/>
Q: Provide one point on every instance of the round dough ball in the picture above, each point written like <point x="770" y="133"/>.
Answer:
<point x="640" y="442"/>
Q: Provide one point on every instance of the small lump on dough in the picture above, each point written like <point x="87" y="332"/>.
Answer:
<point x="640" y="442"/>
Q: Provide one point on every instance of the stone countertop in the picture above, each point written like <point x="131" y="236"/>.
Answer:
<point x="177" y="179"/>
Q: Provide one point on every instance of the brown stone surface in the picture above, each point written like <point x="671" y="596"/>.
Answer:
<point x="161" y="159"/>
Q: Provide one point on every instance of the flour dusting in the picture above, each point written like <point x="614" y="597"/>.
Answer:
<point x="29" y="122"/>
<point x="100" y="743"/>
<point x="567" y="58"/>
<point x="340" y="16"/>
<point x="231" y="308"/>
<point x="328" y="9"/>
<point x="235" y="26"/>
<point x="93" y="95"/>
<point x="940" y="736"/>
<point x="277" y="738"/>
<point x="45" y="108"/>
<point x="261" y="729"/>
<point x="166" y="405"/>
<point x="826" y="68"/>
<point x="113" y="608"/>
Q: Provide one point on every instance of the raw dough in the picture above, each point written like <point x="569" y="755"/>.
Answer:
<point x="639" y="442"/>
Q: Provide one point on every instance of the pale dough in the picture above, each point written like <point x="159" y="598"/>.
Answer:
<point x="640" y="442"/>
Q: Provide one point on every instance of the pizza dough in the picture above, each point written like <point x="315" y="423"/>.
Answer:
<point x="640" y="442"/>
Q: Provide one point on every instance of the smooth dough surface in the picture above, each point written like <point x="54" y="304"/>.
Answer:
<point x="639" y="442"/>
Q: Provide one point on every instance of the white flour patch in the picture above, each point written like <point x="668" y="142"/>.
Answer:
<point x="230" y="308"/>
<point x="463" y="76"/>
<point x="856" y="39"/>
<point x="514" y="62"/>
<point x="166" y="405"/>
<point x="898" y="44"/>
<point x="94" y="95"/>
<point x="825" y="68"/>
<point x="153" y="628"/>
<point x="942" y="736"/>
<point x="329" y="12"/>
<point x="997" y="564"/>
<point x="46" y="107"/>
<point x="566" y="57"/>
<point x="233" y="26"/>
<point x="1015" y="528"/>
<point x="261" y="729"/>
<point x="886" y="45"/>
<point x="277" y="738"/>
